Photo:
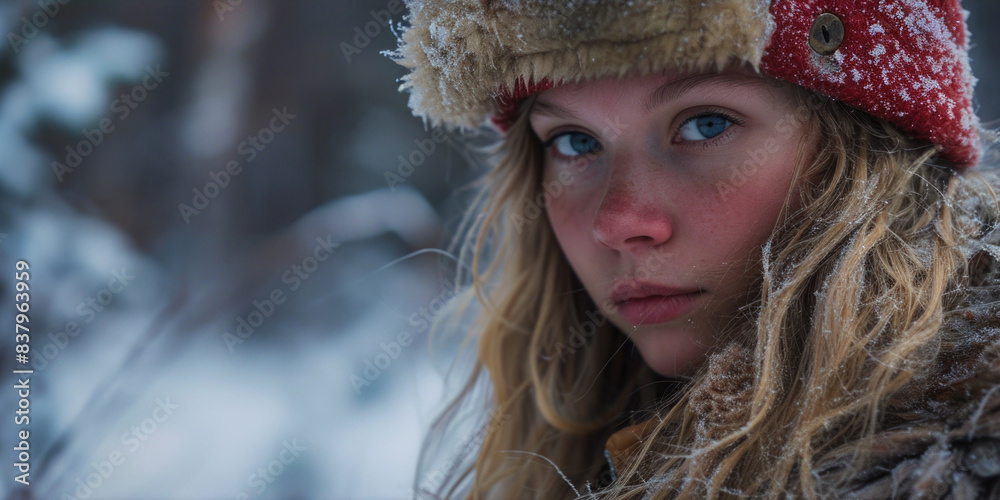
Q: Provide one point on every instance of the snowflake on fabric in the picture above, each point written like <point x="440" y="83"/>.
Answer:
<point x="902" y="60"/>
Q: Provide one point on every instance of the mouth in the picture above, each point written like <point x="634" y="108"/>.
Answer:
<point x="643" y="303"/>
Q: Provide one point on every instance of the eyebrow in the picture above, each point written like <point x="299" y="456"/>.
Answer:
<point x="665" y="93"/>
<point x="544" y="108"/>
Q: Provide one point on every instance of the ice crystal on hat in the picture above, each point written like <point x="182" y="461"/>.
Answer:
<point x="904" y="60"/>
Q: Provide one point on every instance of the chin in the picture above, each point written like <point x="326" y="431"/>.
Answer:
<point x="671" y="353"/>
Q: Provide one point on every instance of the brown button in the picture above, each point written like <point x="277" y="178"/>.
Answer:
<point x="827" y="34"/>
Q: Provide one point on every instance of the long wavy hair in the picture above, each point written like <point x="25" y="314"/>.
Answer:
<point x="846" y="320"/>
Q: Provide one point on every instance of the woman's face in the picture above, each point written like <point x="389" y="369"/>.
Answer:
<point x="661" y="191"/>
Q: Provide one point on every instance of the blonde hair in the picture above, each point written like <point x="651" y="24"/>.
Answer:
<point x="852" y="294"/>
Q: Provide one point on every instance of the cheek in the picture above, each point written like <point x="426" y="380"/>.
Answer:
<point x="568" y="219"/>
<point x="744" y="206"/>
<point x="570" y="212"/>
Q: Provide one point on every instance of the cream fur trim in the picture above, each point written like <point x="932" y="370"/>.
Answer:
<point x="460" y="52"/>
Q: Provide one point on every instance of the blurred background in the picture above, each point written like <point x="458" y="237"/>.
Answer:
<point x="225" y="207"/>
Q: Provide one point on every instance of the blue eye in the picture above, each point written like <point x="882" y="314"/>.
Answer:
<point x="704" y="127"/>
<point x="575" y="144"/>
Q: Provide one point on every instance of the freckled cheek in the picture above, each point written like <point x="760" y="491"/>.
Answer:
<point x="570" y="215"/>
<point x="567" y="215"/>
<point x="569" y="194"/>
<point x="745" y="217"/>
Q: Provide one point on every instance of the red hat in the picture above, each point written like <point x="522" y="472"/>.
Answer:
<point x="902" y="60"/>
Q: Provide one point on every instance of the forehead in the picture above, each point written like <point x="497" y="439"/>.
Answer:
<point x="645" y="91"/>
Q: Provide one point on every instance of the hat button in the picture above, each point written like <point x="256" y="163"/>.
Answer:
<point x="827" y="34"/>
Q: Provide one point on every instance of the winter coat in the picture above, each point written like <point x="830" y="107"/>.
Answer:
<point x="952" y="450"/>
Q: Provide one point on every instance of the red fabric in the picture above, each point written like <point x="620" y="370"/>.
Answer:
<point x="902" y="60"/>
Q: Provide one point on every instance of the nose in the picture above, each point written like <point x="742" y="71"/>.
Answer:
<point x="632" y="216"/>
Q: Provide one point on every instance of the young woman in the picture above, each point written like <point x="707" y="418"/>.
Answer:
<point x="728" y="248"/>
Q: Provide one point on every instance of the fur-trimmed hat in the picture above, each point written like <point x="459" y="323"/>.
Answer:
<point x="902" y="60"/>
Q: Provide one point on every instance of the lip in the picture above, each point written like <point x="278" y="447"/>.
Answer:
<point x="650" y="303"/>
